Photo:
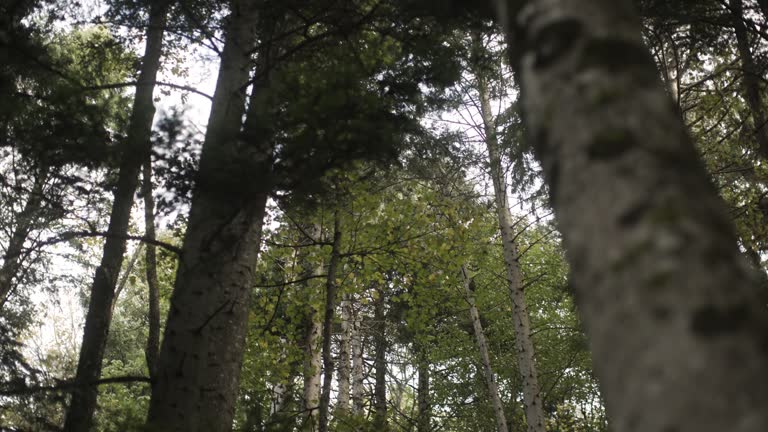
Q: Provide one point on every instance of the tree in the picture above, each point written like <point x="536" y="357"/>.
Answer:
<point x="639" y="215"/>
<point x="137" y="146"/>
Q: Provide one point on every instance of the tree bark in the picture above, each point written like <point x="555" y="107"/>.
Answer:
<point x="312" y="350"/>
<point x="358" y="372"/>
<point x="198" y="370"/>
<point x="79" y="415"/>
<point x="482" y="345"/>
<point x="342" y="401"/>
<point x="331" y="288"/>
<point x="380" y="364"/>
<point x="751" y="79"/>
<point x="152" y="350"/>
<point x="678" y="335"/>
<point x="25" y="221"/>
<point x="534" y="411"/>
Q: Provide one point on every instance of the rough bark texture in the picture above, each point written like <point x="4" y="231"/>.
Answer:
<point x="199" y="366"/>
<point x="152" y="350"/>
<point x="342" y="401"/>
<point x="25" y="221"/>
<point x="534" y="411"/>
<point x="679" y="338"/>
<point x="751" y="79"/>
<point x="331" y="288"/>
<point x="380" y="365"/>
<point x="482" y="345"/>
<point x="79" y="416"/>
<point x="358" y="372"/>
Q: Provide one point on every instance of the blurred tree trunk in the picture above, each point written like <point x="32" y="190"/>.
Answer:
<point x="79" y="416"/>
<point x="678" y="335"/>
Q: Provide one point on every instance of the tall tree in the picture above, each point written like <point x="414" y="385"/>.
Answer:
<point x="199" y="365"/>
<point x="137" y="145"/>
<point x="534" y="411"/>
<point x="642" y="225"/>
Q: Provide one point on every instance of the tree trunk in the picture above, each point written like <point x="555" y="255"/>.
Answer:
<point x="152" y="350"/>
<point x="312" y="350"/>
<point x="751" y="79"/>
<point x="198" y="370"/>
<point x="424" y="421"/>
<point x="312" y="369"/>
<point x="678" y="335"/>
<point x="331" y="288"/>
<point x="126" y="275"/>
<point x="358" y="372"/>
<point x="342" y="401"/>
<point x="534" y="411"/>
<point x="25" y="222"/>
<point x="482" y="345"/>
<point x="380" y="364"/>
<point x="79" y="416"/>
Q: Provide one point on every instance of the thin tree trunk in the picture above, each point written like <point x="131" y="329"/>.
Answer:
<point x="198" y="370"/>
<point x="678" y="335"/>
<point x="312" y="370"/>
<point x="126" y="274"/>
<point x="25" y="221"/>
<point x="342" y="401"/>
<point x="312" y="350"/>
<point x="358" y="372"/>
<point x="424" y="420"/>
<point x="152" y="350"/>
<point x="380" y="364"/>
<point x="751" y="79"/>
<point x="79" y="416"/>
<point x="534" y="411"/>
<point x="482" y="345"/>
<point x="331" y="288"/>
